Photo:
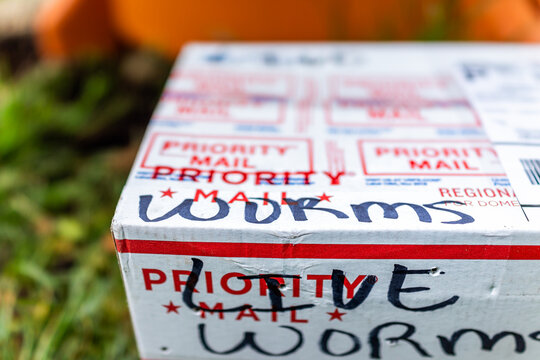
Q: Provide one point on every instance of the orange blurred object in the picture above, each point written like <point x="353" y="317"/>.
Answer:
<point x="168" y="24"/>
<point x="70" y="27"/>
<point x="513" y="20"/>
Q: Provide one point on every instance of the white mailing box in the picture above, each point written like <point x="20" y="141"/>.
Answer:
<point x="313" y="201"/>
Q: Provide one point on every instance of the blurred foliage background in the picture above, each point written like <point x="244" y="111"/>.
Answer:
<point x="68" y="136"/>
<point x="69" y="131"/>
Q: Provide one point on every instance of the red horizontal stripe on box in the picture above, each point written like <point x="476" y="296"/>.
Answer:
<point x="330" y="251"/>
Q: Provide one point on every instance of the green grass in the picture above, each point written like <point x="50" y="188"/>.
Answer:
<point x="68" y="134"/>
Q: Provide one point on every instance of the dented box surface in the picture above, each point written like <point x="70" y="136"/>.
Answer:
<point x="313" y="201"/>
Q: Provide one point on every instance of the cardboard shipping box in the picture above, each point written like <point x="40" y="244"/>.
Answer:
<point x="313" y="201"/>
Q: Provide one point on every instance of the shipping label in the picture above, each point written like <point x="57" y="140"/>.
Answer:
<point x="232" y="159"/>
<point x="386" y="101"/>
<point x="178" y="107"/>
<point x="232" y="84"/>
<point x="437" y="157"/>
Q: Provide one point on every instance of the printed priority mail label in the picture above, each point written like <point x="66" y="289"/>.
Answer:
<point x="179" y="107"/>
<point x="232" y="84"/>
<point x="354" y="113"/>
<point x="400" y="101"/>
<point x="397" y="89"/>
<point x="420" y="157"/>
<point x="188" y="157"/>
<point x="372" y="301"/>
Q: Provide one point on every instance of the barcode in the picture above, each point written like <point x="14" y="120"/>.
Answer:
<point x="532" y="169"/>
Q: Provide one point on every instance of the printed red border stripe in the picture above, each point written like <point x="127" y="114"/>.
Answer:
<point x="330" y="251"/>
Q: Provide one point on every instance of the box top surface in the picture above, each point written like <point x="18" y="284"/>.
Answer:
<point x="340" y="143"/>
